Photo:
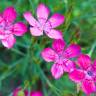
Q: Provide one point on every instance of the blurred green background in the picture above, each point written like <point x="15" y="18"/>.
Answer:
<point x="23" y="66"/>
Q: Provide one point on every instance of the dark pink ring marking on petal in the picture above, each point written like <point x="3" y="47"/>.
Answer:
<point x="84" y="61"/>
<point x="49" y="55"/>
<point x="56" y="20"/>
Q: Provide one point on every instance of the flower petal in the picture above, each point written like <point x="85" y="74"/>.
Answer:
<point x="30" y="19"/>
<point x="77" y="75"/>
<point x="1" y="19"/>
<point x="35" y="31"/>
<point x="9" y="41"/>
<point x="19" y="28"/>
<point x="49" y="55"/>
<point x="94" y="65"/>
<point x="57" y="70"/>
<point x="58" y="45"/>
<point x="54" y="34"/>
<point x="68" y="65"/>
<point x="9" y="14"/>
<point x="42" y="12"/>
<point x="4" y="33"/>
<point x="36" y="93"/>
<point x="88" y="86"/>
<point x="56" y="20"/>
<point x="84" y="61"/>
<point x="72" y="51"/>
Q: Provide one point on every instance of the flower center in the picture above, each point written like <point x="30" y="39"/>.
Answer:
<point x="47" y="26"/>
<point x="43" y="25"/>
<point x="90" y="73"/>
<point x="4" y="30"/>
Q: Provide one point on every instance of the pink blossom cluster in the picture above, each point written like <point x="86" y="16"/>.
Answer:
<point x="68" y="59"/>
<point x="8" y="28"/>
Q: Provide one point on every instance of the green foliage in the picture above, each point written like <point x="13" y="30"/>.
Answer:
<point x="23" y="65"/>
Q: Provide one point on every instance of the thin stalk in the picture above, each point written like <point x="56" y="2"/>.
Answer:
<point x="92" y="49"/>
<point x="68" y="19"/>
<point x="18" y="52"/>
<point x="79" y="92"/>
<point x="57" y="91"/>
<point x="8" y="72"/>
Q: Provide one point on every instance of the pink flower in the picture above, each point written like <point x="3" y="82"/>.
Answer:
<point x="8" y="29"/>
<point x="43" y="23"/>
<point x="20" y="92"/>
<point x="36" y="93"/>
<point x="60" y="57"/>
<point x="85" y="74"/>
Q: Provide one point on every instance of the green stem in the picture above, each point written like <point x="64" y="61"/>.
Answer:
<point x="8" y="72"/>
<point x="92" y="48"/>
<point x="18" y="52"/>
<point x="68" y="15"/>
<point x="79" y="92"/>
<point x="57" y="91"/>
